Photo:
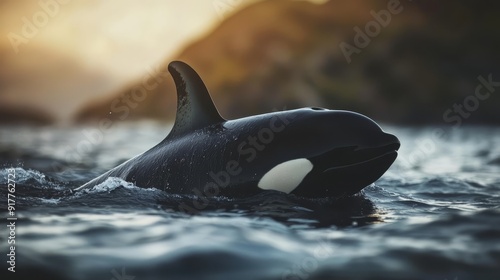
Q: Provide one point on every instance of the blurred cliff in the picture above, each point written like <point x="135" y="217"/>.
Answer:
<point x="410" y="67"/>
<point x="286" y="53"/>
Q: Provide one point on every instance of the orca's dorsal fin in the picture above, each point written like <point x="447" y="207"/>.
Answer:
<point x="195" y="108"/>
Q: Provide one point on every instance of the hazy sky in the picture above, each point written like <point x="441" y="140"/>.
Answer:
<point x="115" y="34"/>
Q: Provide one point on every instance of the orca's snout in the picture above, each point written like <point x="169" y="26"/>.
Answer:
<point x="391" y="141"/>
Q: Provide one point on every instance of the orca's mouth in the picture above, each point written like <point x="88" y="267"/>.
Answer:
<point x="352" y="156"/>
<point x="347" y="170"/>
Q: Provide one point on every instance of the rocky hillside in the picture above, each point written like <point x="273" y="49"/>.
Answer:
<point x="412" y="62"/>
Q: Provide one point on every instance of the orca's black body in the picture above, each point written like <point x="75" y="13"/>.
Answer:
<point x="308" y="152"/>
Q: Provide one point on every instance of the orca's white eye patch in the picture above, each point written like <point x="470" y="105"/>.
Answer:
<point x="286" y="176"/>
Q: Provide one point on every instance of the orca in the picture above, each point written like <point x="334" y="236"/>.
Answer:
<point x="308" y="152"/>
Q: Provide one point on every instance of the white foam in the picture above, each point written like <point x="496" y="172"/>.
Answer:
<point x="286" y="176"/>
<point x="112" y="183"/>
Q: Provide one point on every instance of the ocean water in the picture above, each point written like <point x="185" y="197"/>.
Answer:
<point x="434" y="215"/>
